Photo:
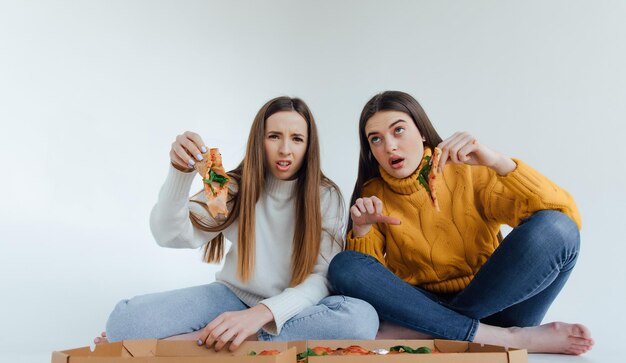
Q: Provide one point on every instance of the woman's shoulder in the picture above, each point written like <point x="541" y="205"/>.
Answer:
<point x="372" y="187"/>
<point x="329" y="191"/>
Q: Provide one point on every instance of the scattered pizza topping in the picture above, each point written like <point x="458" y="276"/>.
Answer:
<point x="405" y="349"/>
<point x="422" y="176"/>
<point x="265" y="352"/>
<point x="358" y="350"/>
<point x="214" y="177"/>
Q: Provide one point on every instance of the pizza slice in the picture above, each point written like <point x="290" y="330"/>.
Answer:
<point x="323" y="350"/>
<point x="358" y="350"/>
<point x="428" y="175"/>
<point x="354" y="350"/>
<point x="432" y="177"/>
<point x="215" y="181"/>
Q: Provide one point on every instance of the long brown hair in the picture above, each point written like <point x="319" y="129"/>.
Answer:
<point x="387" y="101"/>
<point x="250" y="178"/>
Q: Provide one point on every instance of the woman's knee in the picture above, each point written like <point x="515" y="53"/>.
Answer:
<point x="554" y="230"/>
<point x="343" y="270"/>
<point x="354" y="318"/>
<point x="119" y="322"/>
<point x="367" y="317"/>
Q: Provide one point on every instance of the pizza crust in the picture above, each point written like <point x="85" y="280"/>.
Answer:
<point x="432" y="177"/>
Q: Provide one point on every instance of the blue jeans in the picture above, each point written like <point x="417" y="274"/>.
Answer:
<point x="515" y="287"/>
<point x="165" y="314"/>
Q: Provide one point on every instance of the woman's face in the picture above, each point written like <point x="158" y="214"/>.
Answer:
<point x="286" y="140"/>
<point x="395" y="142"/>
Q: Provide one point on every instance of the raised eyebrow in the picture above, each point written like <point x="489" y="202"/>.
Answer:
<point x="397" y="122"/>
<point x="390" y="126"/>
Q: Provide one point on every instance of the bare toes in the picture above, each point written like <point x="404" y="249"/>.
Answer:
<point x="100" y="340"/>
<point x="581" y="331"/>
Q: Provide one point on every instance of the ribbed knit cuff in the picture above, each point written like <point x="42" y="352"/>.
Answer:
<point x="524" y="180"/>
<point x="540" y="191"/>
<point x="177" y="184"/>
<point x="366" y="244"/>
<point x="283" y="306"/>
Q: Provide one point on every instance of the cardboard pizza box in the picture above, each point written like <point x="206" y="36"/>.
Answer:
<point x="166" y="351"/>
<point x="451" y="352"/>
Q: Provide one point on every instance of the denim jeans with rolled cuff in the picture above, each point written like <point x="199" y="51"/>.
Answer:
<point x="515" y="287"/>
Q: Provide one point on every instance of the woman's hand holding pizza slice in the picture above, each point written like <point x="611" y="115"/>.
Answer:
<point x="464" y="148"/>
<point x="189" y="153"/>
<point x="187" y="150"/>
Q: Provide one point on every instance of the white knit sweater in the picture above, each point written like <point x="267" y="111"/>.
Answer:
<point x="275" y="219"/>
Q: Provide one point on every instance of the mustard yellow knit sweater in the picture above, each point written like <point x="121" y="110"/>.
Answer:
<point x="442" y="251"/>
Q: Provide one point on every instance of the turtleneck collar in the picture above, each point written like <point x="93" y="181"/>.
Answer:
<point x="281" y="189"/>
<point x="409" y="184"/>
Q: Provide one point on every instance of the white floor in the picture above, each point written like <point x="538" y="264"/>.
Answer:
<point x="591" y="357"/>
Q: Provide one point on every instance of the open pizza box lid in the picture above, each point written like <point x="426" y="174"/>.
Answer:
<point x="165" y="351"/>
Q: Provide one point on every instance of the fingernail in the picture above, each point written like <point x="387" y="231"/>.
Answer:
<point x="199" y="342"/>
<point x="199" y="157"/>
<point x="203" y="149"/>
<point x="191" y="162"/>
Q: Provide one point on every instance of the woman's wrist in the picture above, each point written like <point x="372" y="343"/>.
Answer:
<point x="361" y="231"/>
<point x="504" y="165"/>
<point x="264" y="312"/>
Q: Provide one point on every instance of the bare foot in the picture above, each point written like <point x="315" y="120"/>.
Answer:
<point x="101" y="339"/>
<point x="556" y="337"/>
<point x="388" y="330"/>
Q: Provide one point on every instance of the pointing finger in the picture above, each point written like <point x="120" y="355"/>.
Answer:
<point x="388" y="220"/>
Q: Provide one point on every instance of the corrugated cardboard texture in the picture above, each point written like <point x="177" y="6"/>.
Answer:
<point x="164" y="351"/>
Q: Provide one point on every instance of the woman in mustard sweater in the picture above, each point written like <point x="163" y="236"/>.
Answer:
<point x="448" y="273"/>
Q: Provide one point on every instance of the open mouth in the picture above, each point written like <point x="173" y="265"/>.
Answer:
<point x="283" y="165"/>
<point x="396" y="162"/>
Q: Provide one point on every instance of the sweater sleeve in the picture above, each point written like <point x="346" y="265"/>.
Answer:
<point x="169" y="220"/>
<point x="518" y="195"/>
<point x="315" y="287"/>
<point x="373" y="243"/>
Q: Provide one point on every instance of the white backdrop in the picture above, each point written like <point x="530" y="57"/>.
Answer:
<point x="92" y="93"/>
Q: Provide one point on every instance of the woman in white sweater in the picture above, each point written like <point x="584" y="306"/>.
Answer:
<point x="273" y="283"/>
